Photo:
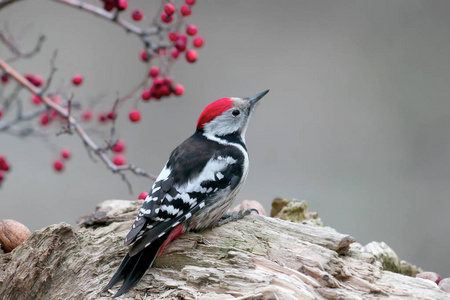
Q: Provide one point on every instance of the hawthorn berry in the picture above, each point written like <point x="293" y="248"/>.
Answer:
<point x="119" y="146"/>
<point x="5" y="78"/>
<point x="137" y="15"/>
<point x="142" y="196"/>
<point x="36" y="100"/>
<point x="166" y="18"/>
<point x="175" y="53"/>
<point x="109" y="6"/>
<point x="102" y="118"/>
<point x="87" y="115"/>
<point x="191" y="29"/>
<point x="58" y="165"/>
<point x="198" y="42"/>
<point x="179" y="90"/>
<point x="169" y="8"/>
<point x="119" y="160"/>
<point x="111" y="115"/>
<point x="144" y="55"/>
<point x="191" y="55"/>
<point x="190" y="2"/>
<point x="122" y="4"/>
<point x="65" y="153"/>
<point x="38" y="80"/>
<point x="44" y="119"/>
<point x="185" y="10"/>
<point x="135" y="115"/>
<point x="154" y="71"/>
<point x="4" y="164"/>
<point x="77" y="79"/>
<point x="173" y="36"/>
<point x="146" y="95"/>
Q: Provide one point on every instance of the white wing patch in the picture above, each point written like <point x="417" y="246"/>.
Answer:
<point x="209" y="173"/>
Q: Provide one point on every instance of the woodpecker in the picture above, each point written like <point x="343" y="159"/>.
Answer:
<point x="194" y="190"/>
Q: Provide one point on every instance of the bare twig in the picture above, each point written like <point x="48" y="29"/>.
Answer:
<point x="52" y="73"/>
<point x="111" y="16"/>
<point x="75" y="125"/>
<point x="15" y="49"/>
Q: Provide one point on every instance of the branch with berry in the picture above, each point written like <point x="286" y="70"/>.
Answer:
<point x="61" y="112"/>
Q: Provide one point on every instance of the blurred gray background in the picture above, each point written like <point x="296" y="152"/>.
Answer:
<point x="357" y="121"/>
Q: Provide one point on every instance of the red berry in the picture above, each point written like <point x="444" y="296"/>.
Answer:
<point x="173" y="36"/>
<point x="109" y="6"/>
<point x="144" y="55"/>
<point x="146" y="95"/>
<point x="102" y="117"/>
<point x="165" y="90"/>
<point x="58" y="165"/>
<point x="119" y="146"/>
<point x="142" y="196"/>
<point x="191" y="55"/>
<point x="65" y="153"/>
<point x="5" y="78"/>
<point x="2" y="176"/>
<point x="36" y="100"/>
<point x="198" y="42"/>
<point x="1" y="113"/>
<point x="77" y="79"/>
<point x="185" y="10"/>
<point x="87" y="115"/>
<point x="169" y="8"/>
<point x="44" y="119"/>
<point x="190" y="2"/>
<point x="179" y="90"/>
<point x="119" y="159"/>
<point x="166" y="18"/>
<point x="38" y="80"/>
<point x="175" y="53"/>
<point x="191" y="29"/>
<point x="122" y="4"/>
<point x="135" y="115"/>
<point x="154" y="71"/>
<point x="111" y="115"/>
<point x="3" y="164"/>
<point x="137" y="15"/>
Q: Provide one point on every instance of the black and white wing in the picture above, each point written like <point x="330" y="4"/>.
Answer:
<point x="199" y="174"/>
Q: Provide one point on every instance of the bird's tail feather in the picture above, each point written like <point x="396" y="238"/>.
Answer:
<point x="133" y="268"/>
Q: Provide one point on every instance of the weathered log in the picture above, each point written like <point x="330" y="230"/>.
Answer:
<point x="254" y="258"/>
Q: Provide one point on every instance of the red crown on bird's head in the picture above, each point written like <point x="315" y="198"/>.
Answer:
<point x="213" y="110"/>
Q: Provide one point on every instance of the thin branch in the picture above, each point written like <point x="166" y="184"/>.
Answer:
<point x="15" y="49"/>
<point x="24" y="117"/>
<point x="110" y="16"/>
<point x="74" y="124"/>
<point x="52" y="73"/>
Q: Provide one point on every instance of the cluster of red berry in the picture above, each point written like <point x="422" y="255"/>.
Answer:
<point x="109" y="5"/>
<point x="4" y="167"/>
<point x="181" y="37"/>
<point x="58" y="164"/>
<point x="118" y="157"/>
<point x="37" y="80"/>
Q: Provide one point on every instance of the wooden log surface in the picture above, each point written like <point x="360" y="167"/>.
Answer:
<point x="254" y="258"/>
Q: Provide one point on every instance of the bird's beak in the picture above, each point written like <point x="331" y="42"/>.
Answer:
<point x="254" y="99"/>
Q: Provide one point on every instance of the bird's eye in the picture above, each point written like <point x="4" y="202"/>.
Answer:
<point x="236" y="112"/>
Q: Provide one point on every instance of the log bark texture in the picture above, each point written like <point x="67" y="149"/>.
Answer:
<point x="254" y="258"/>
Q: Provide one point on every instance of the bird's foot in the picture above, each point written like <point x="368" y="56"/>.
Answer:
<point x="234" y="216"/>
